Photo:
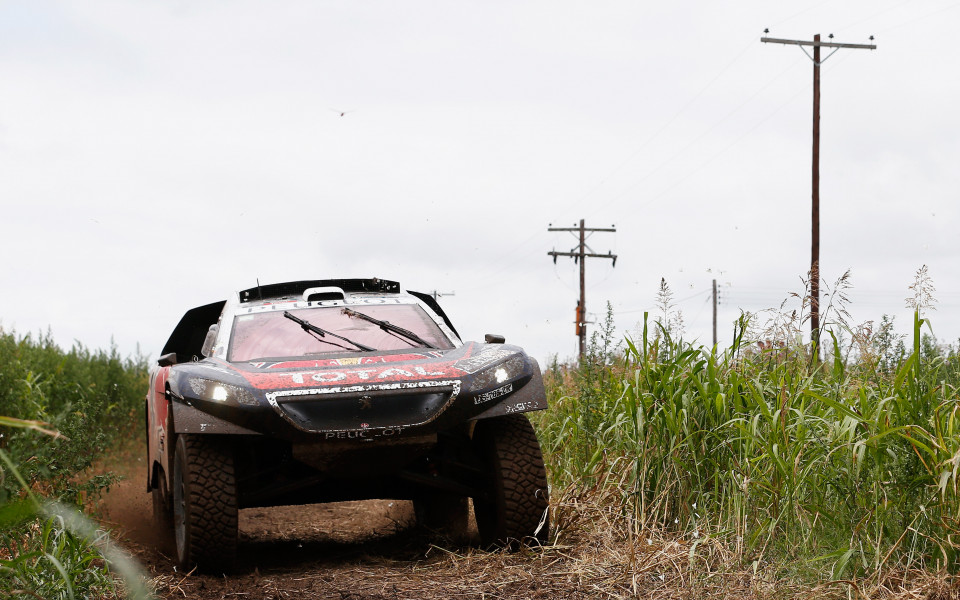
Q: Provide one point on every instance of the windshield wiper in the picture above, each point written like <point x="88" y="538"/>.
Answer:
<point x="308" y="326"/>
<point x="388" y="326"/>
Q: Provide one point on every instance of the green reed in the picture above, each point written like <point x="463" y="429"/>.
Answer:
<point x="827" y="468"/>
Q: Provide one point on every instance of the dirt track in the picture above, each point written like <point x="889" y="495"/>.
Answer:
<point x="350" y="550"/>
<point x="322" y="551"/>
<point x="371" y="550"/>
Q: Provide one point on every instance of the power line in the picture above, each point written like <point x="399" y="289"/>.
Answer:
<point x="482" y="281"/>
<point x="795" y="15"/>
<point x="680" y="301"/>
<point x="875" y="15"/>
<point x="663" y="164"/>
<point x="666" y="125"/>
<point x="902" y="24"/>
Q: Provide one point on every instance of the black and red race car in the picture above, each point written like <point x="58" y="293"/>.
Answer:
<point x="331" y="390"/>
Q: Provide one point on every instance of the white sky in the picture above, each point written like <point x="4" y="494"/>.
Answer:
<point x="155" y="156"/>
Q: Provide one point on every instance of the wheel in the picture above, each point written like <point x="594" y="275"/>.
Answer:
<point x="204" y="504"/>
<point x="513" y="507"/>
<point x="445" y="513"/>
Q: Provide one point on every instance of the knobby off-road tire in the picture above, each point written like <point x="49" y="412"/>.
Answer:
<point x="204" y="504"/>
<point x="515" y="507"/>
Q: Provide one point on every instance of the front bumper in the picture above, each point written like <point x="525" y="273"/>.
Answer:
<point x="317" y="407"/>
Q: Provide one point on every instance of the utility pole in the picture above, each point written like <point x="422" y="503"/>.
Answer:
<point x="580" y="253"/>
<point x="714" y="313"/>
<point x="437" y="294"/>
<point x="815" y="212"/>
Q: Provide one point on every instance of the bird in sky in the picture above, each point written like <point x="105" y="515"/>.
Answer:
<point x="341" y="112"/>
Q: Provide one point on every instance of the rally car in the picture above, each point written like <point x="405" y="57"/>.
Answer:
<point x="331" y="390"/>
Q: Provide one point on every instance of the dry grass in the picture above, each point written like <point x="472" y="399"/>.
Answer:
<point x="589" y="559"/>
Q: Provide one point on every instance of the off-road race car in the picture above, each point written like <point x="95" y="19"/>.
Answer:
<point x="331" y="390"/>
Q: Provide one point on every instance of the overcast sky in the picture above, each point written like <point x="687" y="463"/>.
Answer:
<point x="158" y="155"/>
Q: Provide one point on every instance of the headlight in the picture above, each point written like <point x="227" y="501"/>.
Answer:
<point x="215" y="391"/>
<point x="500" y="374"/>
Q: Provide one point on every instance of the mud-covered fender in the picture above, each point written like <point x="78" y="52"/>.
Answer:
<point x="529" y="398"/>
<point x="157" y="426"/>
<point x="187" y="419"/>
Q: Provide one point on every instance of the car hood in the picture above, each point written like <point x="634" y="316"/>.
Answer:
<point x="466" y="361"/>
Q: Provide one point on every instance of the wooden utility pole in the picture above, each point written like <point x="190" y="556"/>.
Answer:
<point x="580" y="253"/>
<point x="815" y="193"/>
<point x="815" y="207"/>
<point x="714" y="313"/>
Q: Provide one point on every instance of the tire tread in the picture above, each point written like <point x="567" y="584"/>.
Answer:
<point x="520" y="491"/>
<point x="210" y="504"/>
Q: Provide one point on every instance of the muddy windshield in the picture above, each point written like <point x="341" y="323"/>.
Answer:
<point x="271" y="335"/>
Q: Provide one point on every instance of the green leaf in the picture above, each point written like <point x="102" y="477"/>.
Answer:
<point x="35" y="425"/>
<point x="14" y="513"/>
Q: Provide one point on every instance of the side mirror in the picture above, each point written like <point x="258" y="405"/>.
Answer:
<point x="167" y="360"/>
<point x="494" y="338"/>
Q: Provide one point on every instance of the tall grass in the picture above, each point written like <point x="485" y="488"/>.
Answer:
<point x="60" y="411"/>
<point x="90" y="397"/>
<point x="829" y="469"/>
<point x="51" y="550"/>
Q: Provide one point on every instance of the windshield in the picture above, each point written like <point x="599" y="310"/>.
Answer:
<point x="271" y="335"/>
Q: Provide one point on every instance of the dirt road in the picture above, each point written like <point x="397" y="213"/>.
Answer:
<point x="373" y="551"/>
<point x="351" y="550"/>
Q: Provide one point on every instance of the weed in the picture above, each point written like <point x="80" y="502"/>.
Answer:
<point x="61" y="409"/>
<point x="827" y="470"/>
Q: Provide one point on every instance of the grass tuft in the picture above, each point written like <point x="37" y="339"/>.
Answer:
<point x="841" y="469"/>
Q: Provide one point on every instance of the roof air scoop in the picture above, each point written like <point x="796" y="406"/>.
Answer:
<point x="319" y="294"/>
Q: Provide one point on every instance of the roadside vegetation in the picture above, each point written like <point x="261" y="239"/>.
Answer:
<point x="763" y="468"/>
<point x="59" y="412"/>
<point x="762" y="459"/>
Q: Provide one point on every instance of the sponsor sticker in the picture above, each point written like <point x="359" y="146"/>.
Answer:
<point x="493" y="394"/>
<point x="521" y="406"/>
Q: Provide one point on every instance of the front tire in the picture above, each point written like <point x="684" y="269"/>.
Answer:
<point x="204" y="504"/>
<point x="514" y="507"/>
